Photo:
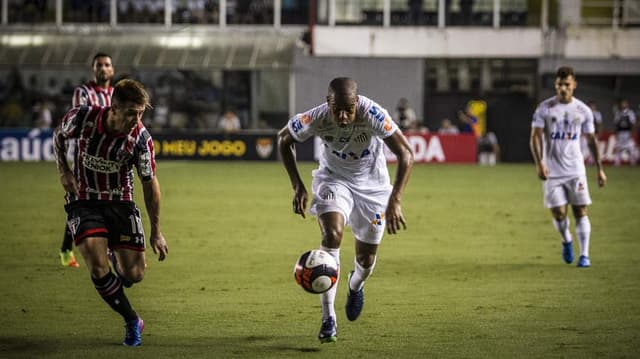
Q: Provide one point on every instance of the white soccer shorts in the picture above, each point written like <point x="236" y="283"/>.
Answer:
<point x="567" y="190"/>
<point x="362" y="209"/>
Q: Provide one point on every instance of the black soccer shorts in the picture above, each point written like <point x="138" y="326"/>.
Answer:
<point x="119" y="222"/>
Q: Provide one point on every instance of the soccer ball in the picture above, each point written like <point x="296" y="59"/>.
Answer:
<point x="316" y="271"/>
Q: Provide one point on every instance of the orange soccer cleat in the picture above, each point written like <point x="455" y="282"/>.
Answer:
<point x="68" y="259"/>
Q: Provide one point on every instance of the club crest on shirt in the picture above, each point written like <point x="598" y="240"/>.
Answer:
<point x="361" y="138"/>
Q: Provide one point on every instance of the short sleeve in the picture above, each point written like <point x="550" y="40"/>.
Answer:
<point x="303" y="125"/>
<point x="71" y="124"/>
<point x="145" y="157"/>
<point x="381" y="123"/>
<point x="80" y="97"/>
<point x="538" y="118"/>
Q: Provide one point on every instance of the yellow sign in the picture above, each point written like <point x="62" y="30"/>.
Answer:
<point x="478" y="108"/>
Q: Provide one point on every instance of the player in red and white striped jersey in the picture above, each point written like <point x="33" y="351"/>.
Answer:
<point x="99" y="90"/>
<point x="101" y="214"/>
<point x="96" y="92"/>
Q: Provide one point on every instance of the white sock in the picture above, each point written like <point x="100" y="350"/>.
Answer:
<point x="360" y="274"/>
<point x="583" y="232"/>
<point x="328" y="298"/>
<point x="563" y="228"/>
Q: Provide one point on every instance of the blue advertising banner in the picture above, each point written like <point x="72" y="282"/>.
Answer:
<point x="22" y="144"/>
<point x="37" y="145"/>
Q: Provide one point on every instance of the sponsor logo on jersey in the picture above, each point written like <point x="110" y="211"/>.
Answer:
<point x="305" y="119"/>
<point x="377" y="113"/>
<point x="145" y="165"/>
<point x="569" y="136"/>
<point x="379" y="220"/>
<point x="387" y="124"/>
<point x="114" y="191"/>
<point x="296" y="125"/>
<point x="351" y="155"/>
<point x="100" y="164"/>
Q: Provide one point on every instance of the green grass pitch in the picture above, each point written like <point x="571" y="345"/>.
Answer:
<point x="478" y="273"/>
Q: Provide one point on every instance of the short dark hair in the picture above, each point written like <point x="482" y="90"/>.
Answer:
<point x="128" y="90"/>
<point x="98" y="55"/>
<point x="564" y="72"/>
<point x="343" y="89"/>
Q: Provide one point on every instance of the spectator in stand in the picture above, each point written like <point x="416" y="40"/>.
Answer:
<point x="447" y="128"/>
<point x="229" y="122"/>
<point x="42" y="114"/>
<point x="584" y="144"/>
<point x="488" y="149"/>
<point x="625" y="121"/>
<point x="597" y="115"/>
<point x="160" y="117"/>
<point x="468" y="122"/>
<point x="405" y="116"/>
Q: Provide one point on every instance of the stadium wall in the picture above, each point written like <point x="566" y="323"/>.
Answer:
<point x="384" y="80"/>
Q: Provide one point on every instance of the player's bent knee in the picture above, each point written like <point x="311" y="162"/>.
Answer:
<point x="559" y="213"/>
<point x="99" y="271"/>
<point x="332" y="237"/>
<point x="134" y="274"/>
<point x="579" y="211"/>
<point x="366" y="260"/>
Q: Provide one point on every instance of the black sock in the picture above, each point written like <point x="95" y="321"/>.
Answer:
<point x="110" y="289"/>
<point x="67" y="242"/>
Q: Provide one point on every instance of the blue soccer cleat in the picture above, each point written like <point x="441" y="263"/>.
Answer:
<point x="584" y="262"/>
<point x="328" y="331"/>
<point x="114" y="262"/>
<point x="567" y="252"/>
<point x="133" y="332"/>
<point x="355" y="301"/>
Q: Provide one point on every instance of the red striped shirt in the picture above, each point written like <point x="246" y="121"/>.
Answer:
<point x="90" y="94"/>
<point x="104" y="161"/>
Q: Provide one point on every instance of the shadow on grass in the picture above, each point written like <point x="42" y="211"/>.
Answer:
<point x="267" y="346"/>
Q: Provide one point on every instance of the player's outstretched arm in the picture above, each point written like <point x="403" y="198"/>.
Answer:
<point x="593" y="147"/>
<point x="286" y="147"/>
<point x="400" y="147"/>
<point x="535" y="144"/>
<point x="151" y="189"/>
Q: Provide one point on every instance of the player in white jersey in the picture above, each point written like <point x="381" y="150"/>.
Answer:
<point x="557" y="125"/>
<point x="96" y="92"/>
<point x="351" y="185"/>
